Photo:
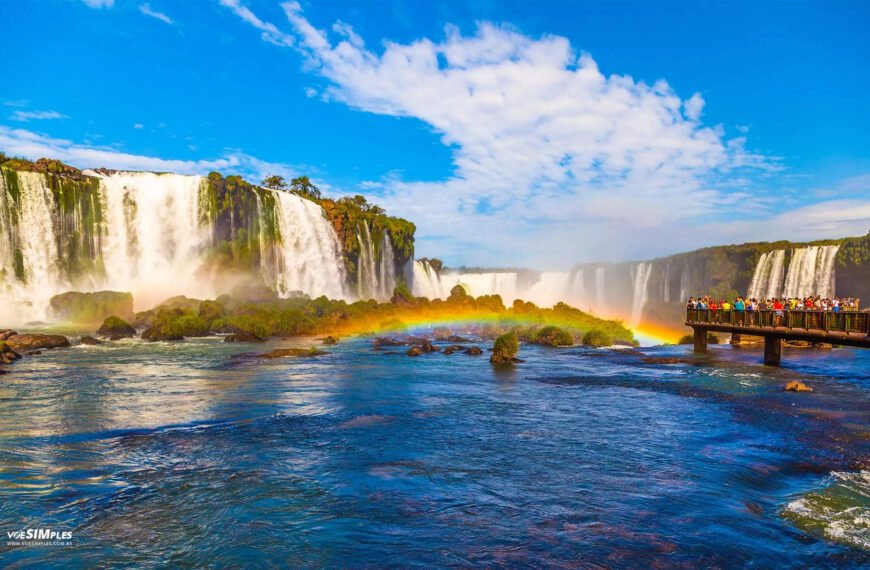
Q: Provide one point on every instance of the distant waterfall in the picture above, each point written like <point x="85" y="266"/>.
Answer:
<point x="600" y="300"/>
<point x="811" y="272"/>
<point x="767" y="280"/>
<point x="494" y="283"/>
<point x="387" y="268"/>
<point x="640" y="279"/>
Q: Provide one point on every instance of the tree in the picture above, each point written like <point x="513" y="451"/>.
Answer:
<point x="303" y="187"/>
<point x="274" y="182"/>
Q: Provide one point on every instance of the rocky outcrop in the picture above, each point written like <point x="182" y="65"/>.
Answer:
<point x="29" y="342"/>
<point x="90" y="308"/>
<point x="90" y="341"/>
<point x="453" y="348"/>
<point x="795" y="386"/>
<point x="474" y="351"/>
<point x="329" y="341"/>
<point x="423" y="347"/>
<point x="115" y="327"/>
<point x="505" y="349"/>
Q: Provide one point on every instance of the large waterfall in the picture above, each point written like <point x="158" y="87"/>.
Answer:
<point x="376" y="268"/>
<point x="640" y="282"/>
<point x="149" y="234"/>
<point x="810" y="272"/>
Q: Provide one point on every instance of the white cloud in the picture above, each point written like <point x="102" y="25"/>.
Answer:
<point x="31" y="145"/>
<point x="148" y="11"/>
<point x="99" y="3"/>
<point x="25" y="116"/>
<point x="138" y="126"/>
<point x="270" y="33"/>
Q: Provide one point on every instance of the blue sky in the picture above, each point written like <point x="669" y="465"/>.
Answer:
<point x="514" y="134"/>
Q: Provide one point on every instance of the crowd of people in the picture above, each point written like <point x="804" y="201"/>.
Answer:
<point x="812" y="303"/>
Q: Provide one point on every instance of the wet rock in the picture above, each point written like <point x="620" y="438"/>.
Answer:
<point x="6" y="333"/>
<point x="474" y="351"/>
<point x="33" y="353"/>
<point x="7" y="354"/>
<point x="116" y="327"/>
<point x="415" y="351"/>
<point x="453" y="348"/>
<point x="330" y="341"/>
<point x="243" y="337"/>
<point x="91" y="341"/>
<point x="795" y="386"/>
<point x="291" y="352"/>
<point x="155" y="334"/>
<point x="382" y="341"/>
<point x="505" y="349"/>
<point x="666" y="360"/>
<point x="456" y="338"/>
<point x="28" y="342"/>
<point x="117" y="337"/>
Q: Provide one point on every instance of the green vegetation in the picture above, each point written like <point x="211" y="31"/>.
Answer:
<point x="551" y="336"/>
<point x="597" y="338"/>
<point x="505" y="348"/>
<point x="116" y="326"/>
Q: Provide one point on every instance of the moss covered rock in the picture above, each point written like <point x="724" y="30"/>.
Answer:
<point x="91" y="308"/>
<point x="505" y="348"/>
<point x="116" y="327"/>
<point x="596" y="338"/>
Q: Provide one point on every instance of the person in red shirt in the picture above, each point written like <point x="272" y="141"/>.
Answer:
<point x="777" y="310"/>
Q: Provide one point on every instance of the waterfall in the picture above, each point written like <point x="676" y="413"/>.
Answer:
<point x="666" y="289"/>
<point x="579" y="296"/>
<point x="387" y="268"/>
<point x="767" y="279"/>
<point x="149" y="234"/>
<point x="551" y="288"/>
<point x="684" y="284"/>
<point x="476" y="284"/>
<point x="425" y="281"/>
<point x="310" y="255"/>
<point x="599" y="289"/>
<point x="811" y="272"/>
<point x="640" y="278"/>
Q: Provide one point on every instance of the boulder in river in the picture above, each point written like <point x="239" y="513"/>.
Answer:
<point x="795" y="386"/>
<point x="474" y="351"/>
<point x="90" y="308"/>
<point x="28" y="342"/>
<point x="90" y="341"/>
<point x="114" y="327"/>
<point x="243" y="337"/>
<point x="155" y="334"/>
<point x="453" y="348"/>
<point x="505" y="349"/>
<point x="415" y="351"/>
<point x="330" y="340"/>
<point x="292" y="352"/>
<point x="7" y="353"/>
<point x="6" y="333"/>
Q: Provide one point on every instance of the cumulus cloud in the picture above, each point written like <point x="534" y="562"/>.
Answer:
<point x="148" y="11"/>
<point x="25" y="116"/>
<point x="31" y="145"/>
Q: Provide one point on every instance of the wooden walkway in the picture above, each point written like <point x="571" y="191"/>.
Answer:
<point x="843" y="328"/>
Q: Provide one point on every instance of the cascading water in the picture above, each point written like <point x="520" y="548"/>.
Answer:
<point x="600" y="301"/>
<point x="387" y="268"/>
<point x="310" y="255"/>
<point x="425" y="281"/>
<point x="767" y="280"/>
<point x="640" y="279"/>
<point x="488" y="283"/>
<point x="811" y="272"/>
<point x="551" y="288"/>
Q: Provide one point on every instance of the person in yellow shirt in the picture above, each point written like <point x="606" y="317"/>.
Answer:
<point x="726" y="306"/>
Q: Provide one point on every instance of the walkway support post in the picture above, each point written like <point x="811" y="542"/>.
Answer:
<point x="700" y="340"/>
<point x="772" y="350"/>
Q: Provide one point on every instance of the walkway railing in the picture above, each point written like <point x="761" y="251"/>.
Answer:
<point x="849" y="322"/>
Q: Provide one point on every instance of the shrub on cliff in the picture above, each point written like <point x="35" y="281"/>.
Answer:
<point x="597" y="338"/>
<point x="458" y="293"/>
<point x="402" y="295"/>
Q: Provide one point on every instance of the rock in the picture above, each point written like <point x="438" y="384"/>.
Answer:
<point x="2" y="372"/>
<point x="90" y="308"/>
<point x="823" y="345"/>
<point x="456" y="339"/>
<point x="330" y="340"/>
<point x="505" y="349"/>
<point x="117" y="337"/>
<point x="292" y="352"/>
<point x="453" y="348"/>
<point x="6" y="333"/>
<point x="666" y="360"/>
<point x="795" y="386"/>
<point x="387" y="341"/>
<point x="27" y="342"/>
<point x="33" y="353"/>
<point x="91" y="341"/>
<point x="7" y="353"/>
<point x="155" y="334"/>
<point x="415" y="351"/>
<point x="116" y="327"/>
<point x="243" y="337"/>
<point x="474" y="351"/>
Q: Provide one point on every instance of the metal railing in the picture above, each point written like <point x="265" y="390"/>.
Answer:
<point x="827" y="321"/>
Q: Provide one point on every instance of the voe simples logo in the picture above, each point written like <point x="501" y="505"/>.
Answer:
<point x="38" y="536"/>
